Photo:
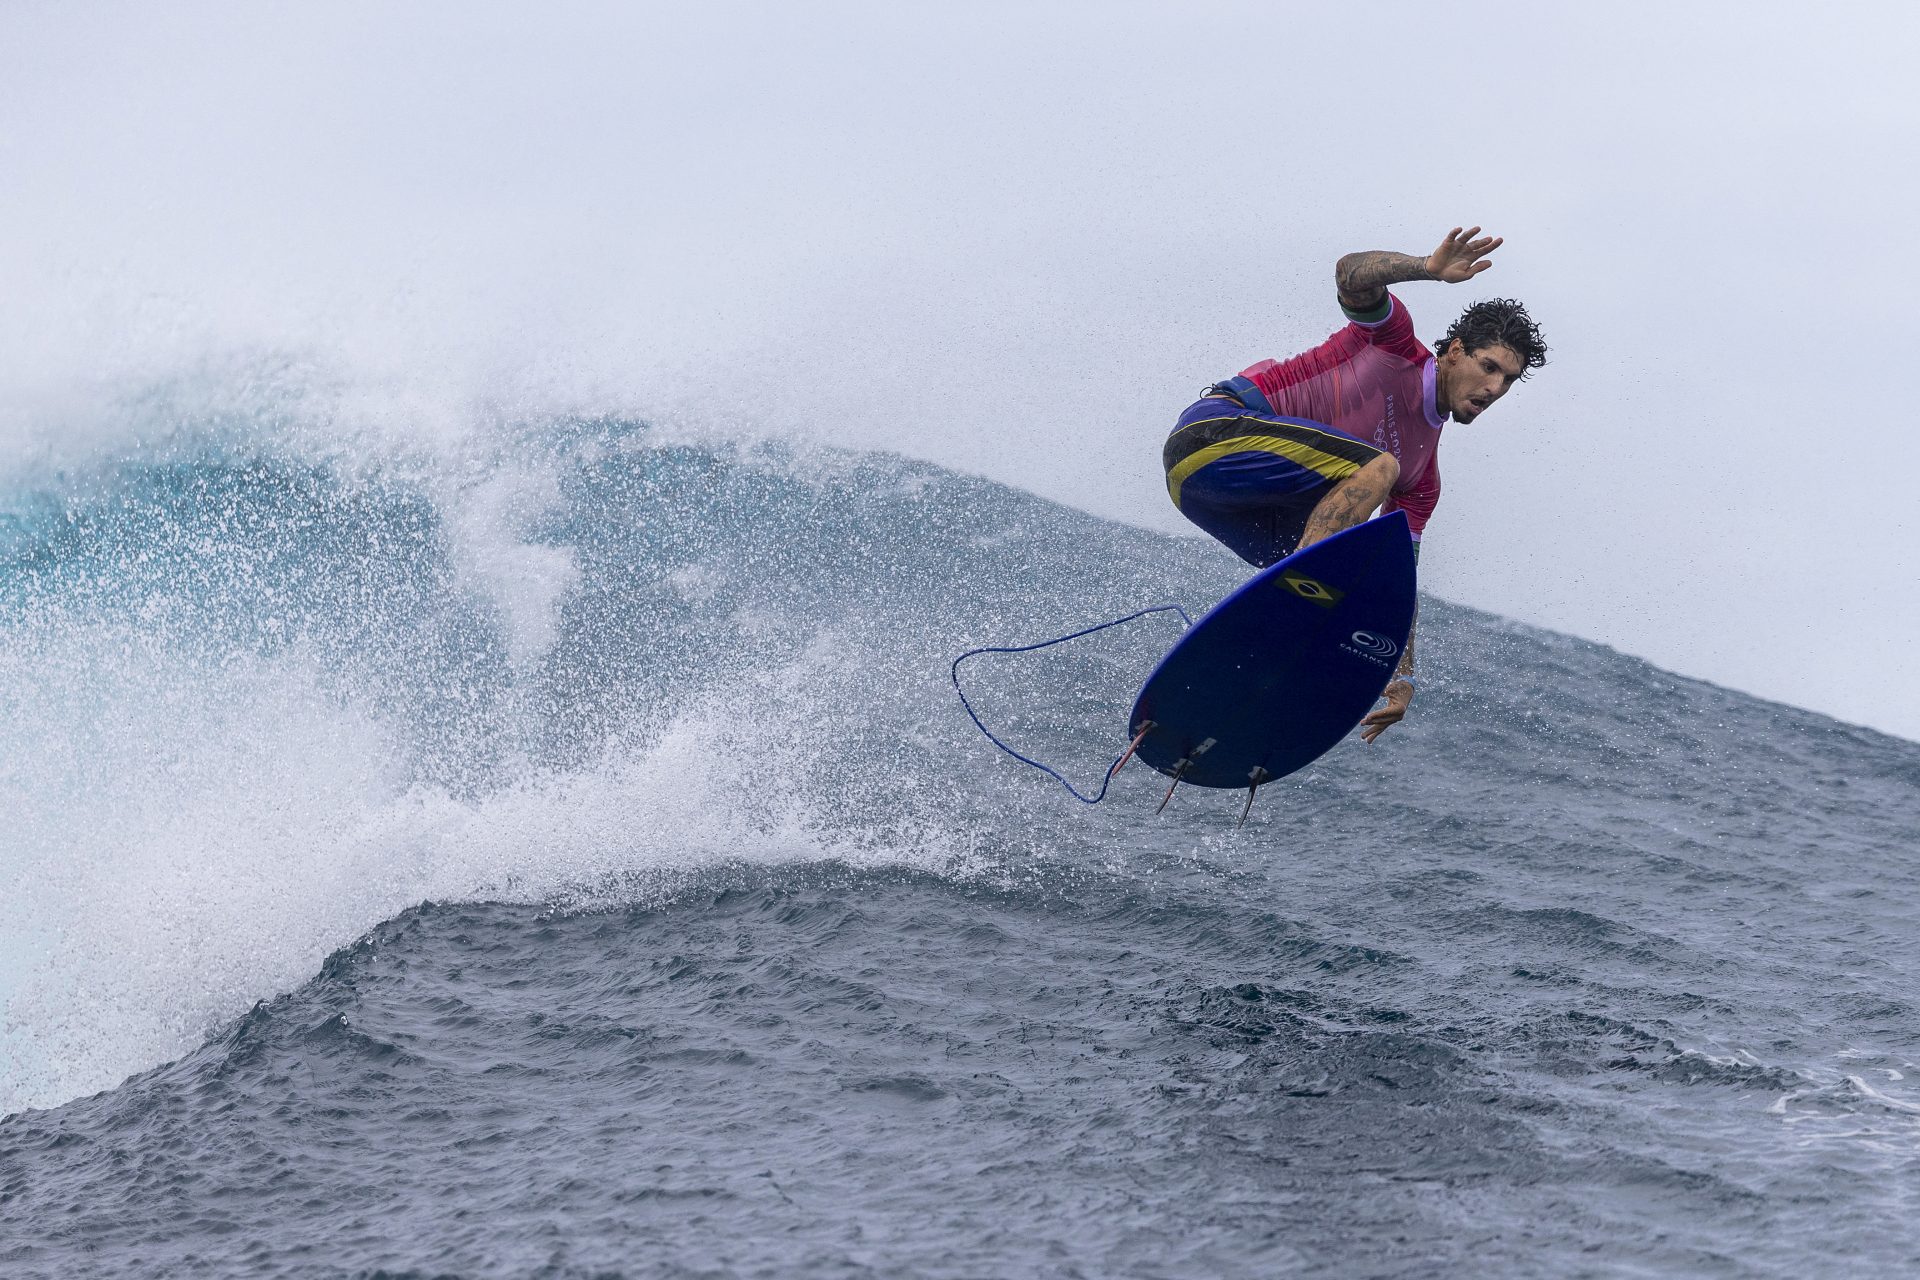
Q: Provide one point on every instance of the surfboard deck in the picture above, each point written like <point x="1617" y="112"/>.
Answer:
<point x="1276" y="674"/>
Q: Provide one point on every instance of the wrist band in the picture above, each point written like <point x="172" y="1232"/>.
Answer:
<point x="1407" y="676"/>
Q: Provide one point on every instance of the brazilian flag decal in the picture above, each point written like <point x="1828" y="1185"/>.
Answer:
<point x="1312" y="589"/>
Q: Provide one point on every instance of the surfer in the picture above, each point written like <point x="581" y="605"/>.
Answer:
<point x="1292" y="451"/>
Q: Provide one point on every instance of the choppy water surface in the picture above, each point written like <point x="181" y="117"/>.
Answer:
<point x="576" y="864"/>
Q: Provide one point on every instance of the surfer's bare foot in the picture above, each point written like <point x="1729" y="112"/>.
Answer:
<point x="1352" y="500"/>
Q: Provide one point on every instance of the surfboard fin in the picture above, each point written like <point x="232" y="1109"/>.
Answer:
<point x="1146" y="728"/>
<point x="1255" y="776"/>
<point x="1179" y="772"/>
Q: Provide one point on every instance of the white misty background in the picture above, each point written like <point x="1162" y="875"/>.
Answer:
<point x="1016" y="239"/>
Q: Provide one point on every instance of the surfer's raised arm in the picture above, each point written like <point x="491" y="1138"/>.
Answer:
<point x="1363" y="277"/>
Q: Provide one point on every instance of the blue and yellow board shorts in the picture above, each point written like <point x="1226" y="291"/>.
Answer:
<point x="1252" y="479"/>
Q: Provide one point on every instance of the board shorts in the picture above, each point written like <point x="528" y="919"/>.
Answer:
<point x="1251" y="479"/>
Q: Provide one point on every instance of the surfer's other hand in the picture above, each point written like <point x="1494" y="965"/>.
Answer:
<point x="1399" y="693"/>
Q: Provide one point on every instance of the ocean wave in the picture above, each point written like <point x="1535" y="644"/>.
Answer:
<point x="657" y="727"/>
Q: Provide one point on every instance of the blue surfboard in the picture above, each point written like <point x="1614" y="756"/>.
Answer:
<point x="1281" y="670"/>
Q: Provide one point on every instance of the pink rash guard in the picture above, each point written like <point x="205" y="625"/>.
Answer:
<point x="1373" y="380"/>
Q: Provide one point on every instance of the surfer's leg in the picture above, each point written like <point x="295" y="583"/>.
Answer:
<point x="1255" y="482"/>
<point x="1352" y="500"/>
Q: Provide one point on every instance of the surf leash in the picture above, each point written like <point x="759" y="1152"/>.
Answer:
<point x="1055" y="774"/>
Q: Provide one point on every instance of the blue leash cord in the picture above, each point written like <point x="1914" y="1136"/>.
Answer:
<point x="1100" y="795"/>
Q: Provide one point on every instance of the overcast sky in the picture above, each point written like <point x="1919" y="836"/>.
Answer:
<point x="1016" y="239"/>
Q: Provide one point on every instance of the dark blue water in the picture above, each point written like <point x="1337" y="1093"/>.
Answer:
<point x="576" y="864"/>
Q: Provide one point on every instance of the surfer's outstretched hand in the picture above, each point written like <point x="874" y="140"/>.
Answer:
<point x="1460" y="256"/>
<point x="1399" y="693"/>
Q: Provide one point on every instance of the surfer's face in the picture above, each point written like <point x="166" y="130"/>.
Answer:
<point x="1466" y="382"/>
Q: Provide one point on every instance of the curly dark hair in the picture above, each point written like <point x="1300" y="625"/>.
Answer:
<point x="1497" y="321"/>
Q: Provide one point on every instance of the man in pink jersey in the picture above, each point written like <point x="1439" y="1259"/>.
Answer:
<point x="1293" y="451"/>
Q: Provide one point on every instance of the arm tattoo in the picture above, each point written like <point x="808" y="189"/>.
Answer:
<point x="1348" y="506"/>
<point x="1363" y="277"/>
